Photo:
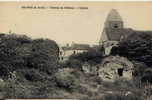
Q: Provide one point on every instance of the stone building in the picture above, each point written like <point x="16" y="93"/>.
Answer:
<point x="67" y="51"/>
<point x="113" y="31"/>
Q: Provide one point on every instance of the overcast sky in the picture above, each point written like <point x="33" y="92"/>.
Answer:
<point x="67" y="25"/>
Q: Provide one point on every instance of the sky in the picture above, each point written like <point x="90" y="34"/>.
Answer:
<point x="70" y="25"/>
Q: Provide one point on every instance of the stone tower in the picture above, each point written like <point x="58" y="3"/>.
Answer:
<point x="113" y="27"/>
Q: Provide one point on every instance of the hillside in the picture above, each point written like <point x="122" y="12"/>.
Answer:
<point x="30" y="69"/>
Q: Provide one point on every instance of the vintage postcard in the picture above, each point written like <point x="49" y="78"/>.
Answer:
<point x="76" y="50"/>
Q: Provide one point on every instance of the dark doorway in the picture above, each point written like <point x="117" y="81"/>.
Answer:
<point x="74" y="52"/>
<point x="120" y="71"/>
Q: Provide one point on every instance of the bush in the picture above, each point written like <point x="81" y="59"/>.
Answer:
<point x="14" y="50"/>
<point x="147" y="76"/>
<point x="93" y="56"/>
<point x="28" y="84"/>
<point x="139" y="68"/>
<point x="65" y="79"/>
<point x="136" y="47"/>
<point x="32" y="75"/>
<point x="44" y="55"/>
<point x="26" y="65"/>
<point x="119" y="96"/>
<point x="74" y="63"/>
<point x="25" y="90"/>
<point x="19" y="52"/>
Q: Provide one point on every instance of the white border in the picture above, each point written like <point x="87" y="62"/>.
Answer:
<point x="86" y="0"/>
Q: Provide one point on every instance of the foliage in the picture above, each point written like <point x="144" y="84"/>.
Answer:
<point x="29" y="63"/>
<point x="119" y="96"/>
<point x="20" y="51"/>
<point x="147" y="76"/>
<point x="139" y="68"/>
<point x="65" y="79"/>
<point x="73" y="63"/>
<point x="44" y="55"/>
<point x="25" y="90"/>
<point x="30" y="74"/>
<point x="13" y="52"/>
<point x="93" y="56"/>
<point x="137" y="47"/>
<point x="28" y="83"/>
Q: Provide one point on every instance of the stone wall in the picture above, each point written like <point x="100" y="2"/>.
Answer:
<point x="114" y="67"/>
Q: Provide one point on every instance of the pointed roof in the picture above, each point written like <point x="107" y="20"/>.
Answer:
<point x="114" y="16"/>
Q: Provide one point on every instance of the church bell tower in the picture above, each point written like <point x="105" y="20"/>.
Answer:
<point x="114" y="20"/>
<point x="112" y="27"/>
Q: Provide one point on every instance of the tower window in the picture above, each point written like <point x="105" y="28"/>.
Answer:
<point x="115" y="26"/>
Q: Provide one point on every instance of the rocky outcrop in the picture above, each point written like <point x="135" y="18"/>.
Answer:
<point x="89" y="69"/>
<point x="114" y="67"/>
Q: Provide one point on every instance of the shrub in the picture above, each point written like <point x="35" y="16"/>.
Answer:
<point x="32" y="75"/>
<point x="74" y="63"/>
<point x="25" y="90"/>
<point x="147" y="76"/>
<point x="119" y="96"/>
<point x="136" y="47"/>
<point x="93" y="56"/>
<point x="19" y="52"/>
<point x="44" y="55"/>
<point x="14" y="49"/>
<point x="139" y="68"/>
<point x="65" y="79"/>
<point x="28" y="84"/>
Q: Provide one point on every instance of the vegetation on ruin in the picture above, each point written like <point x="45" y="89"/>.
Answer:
<point x="138" y="48"/>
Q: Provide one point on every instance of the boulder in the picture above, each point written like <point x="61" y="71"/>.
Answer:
<point x="114" y="67"/>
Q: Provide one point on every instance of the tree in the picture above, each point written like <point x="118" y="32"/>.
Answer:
<point x="19" y="52"/>
<point x="14" y="49"/>
<point x="137" y="47"/>
<point x="44" y="55"/>
<point x="93" y="56"/>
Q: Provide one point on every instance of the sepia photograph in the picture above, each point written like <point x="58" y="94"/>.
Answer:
<point x="84" y="50"/>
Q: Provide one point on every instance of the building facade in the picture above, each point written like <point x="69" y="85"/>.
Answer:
<point x="67" y="51"/>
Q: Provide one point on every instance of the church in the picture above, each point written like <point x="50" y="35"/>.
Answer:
<point x="113" y="31"/>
